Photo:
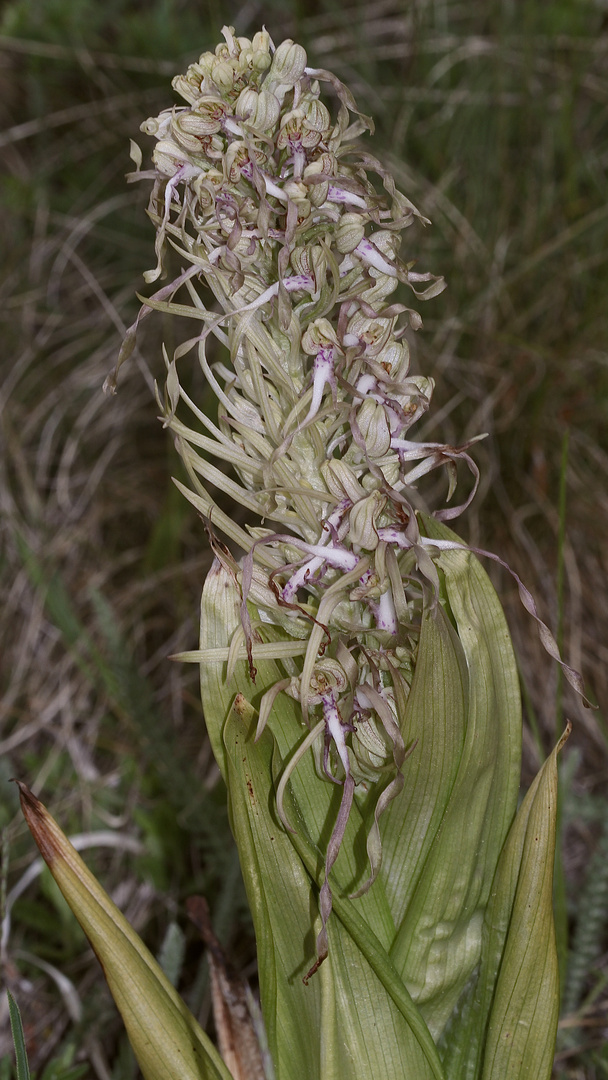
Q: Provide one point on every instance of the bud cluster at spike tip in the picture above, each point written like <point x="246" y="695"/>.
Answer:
<point x="280" y="211"/>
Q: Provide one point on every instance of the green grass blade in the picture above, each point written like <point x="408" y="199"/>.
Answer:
<point x="561" y="566"/>
<point x="23" y="1069"/>
<point x="560" y="899"/>
<point x="62" y="613"/>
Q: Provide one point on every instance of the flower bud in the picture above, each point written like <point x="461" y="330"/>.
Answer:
<point x="373" y="425"/>
<point x="223" y="75"/>
<point x="288" y="64"/>
<point x="206" y="64"/>
<point x="362" y="519"/>
<point x="317" y="335"/>
<point x="341" y="481"/>
<point x="350" y="232"/>
<point x="260" y="47"/>
<point x="259" y="110"/>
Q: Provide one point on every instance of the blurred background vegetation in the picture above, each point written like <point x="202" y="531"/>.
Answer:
<point x="493" y="116"/>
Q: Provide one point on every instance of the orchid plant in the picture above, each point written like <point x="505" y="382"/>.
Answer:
<point x="358" y="682"/>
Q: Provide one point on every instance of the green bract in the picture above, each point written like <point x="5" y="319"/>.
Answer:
<point x="358" y="681"/>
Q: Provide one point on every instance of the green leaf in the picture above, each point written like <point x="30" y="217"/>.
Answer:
<point x="519" y="927"/>
<point x="165" y="1037"/>
<point x="443" y="836"/>
<point x="23" y="1070"/>
<point x="435" y="721"/>
<point x="345" y="1023"/>
<point x="317" y="799"/>
<point x="507" y="1018"/>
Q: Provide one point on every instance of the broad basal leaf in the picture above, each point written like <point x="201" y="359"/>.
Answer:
<point x="344" y="1024"/>
<point x="444" y="835"/>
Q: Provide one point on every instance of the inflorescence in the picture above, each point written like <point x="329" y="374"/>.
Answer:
<point x="295" y="229"/>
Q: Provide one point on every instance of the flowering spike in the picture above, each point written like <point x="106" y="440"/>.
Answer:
<point x="275" y="208"/>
